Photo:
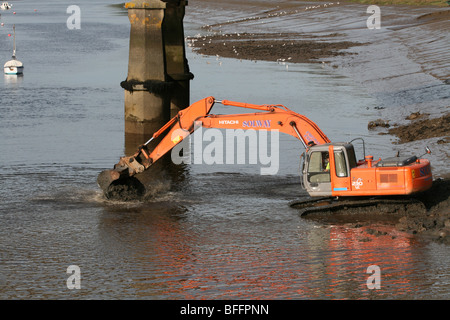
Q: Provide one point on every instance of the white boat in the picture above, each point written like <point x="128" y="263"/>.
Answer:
<point x="13" y="66"/>
<point x="5" y="6"/>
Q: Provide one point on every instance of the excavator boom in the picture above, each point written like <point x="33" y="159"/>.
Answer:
<point x="269" y="117"/>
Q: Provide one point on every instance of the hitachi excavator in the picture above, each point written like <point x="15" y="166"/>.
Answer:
<point x="329" y="170"/>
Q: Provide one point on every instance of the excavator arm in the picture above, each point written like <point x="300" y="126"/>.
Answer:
<point x="268" y="117"/>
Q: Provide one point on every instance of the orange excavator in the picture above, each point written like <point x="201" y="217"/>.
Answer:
<point x="329" y="170"/>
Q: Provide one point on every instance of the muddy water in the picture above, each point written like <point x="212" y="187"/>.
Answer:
<point x="221" y="232"/>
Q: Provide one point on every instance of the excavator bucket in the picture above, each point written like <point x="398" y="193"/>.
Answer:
<point x="121" y="181"/>
<point x="106" y="178"/>
<point x="131" y="177"/>
<point x="119" y="184"/>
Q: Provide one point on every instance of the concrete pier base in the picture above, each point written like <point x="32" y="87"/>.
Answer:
<point x="157" y="84"/>
<point x="141" y="120"/>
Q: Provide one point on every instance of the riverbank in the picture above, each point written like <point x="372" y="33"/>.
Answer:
<point x="404" y="65"/>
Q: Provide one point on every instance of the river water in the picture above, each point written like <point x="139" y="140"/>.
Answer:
<point x="223" y="231"/>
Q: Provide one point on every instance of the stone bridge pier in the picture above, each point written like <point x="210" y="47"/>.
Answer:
<point x="157" y="84"/>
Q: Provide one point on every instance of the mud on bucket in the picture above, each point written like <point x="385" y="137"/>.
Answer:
<point x="123" y="189"/>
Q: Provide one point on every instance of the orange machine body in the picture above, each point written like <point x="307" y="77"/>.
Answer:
<point x="370" y="179"/>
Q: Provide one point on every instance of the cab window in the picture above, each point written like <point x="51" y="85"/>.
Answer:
<point x="318" y="167"/>
<point x="340" y="164"/>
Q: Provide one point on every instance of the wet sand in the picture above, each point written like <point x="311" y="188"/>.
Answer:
<point x="405" y="65"/>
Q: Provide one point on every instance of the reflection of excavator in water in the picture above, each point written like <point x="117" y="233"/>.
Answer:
<point x="330" y="170"/>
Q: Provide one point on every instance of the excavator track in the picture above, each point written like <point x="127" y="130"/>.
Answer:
<point x="336" y="206"/>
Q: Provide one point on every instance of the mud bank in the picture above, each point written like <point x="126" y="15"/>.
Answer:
<point x="418" y="128"/>
<point x="421" y="129"/>
<point x="434" y="223"/>
<point x="280" y="47"/>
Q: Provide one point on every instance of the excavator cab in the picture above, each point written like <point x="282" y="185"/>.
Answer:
<point x="318" y="170"/>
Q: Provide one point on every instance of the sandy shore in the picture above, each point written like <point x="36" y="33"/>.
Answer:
<point x="405" y="65"/>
